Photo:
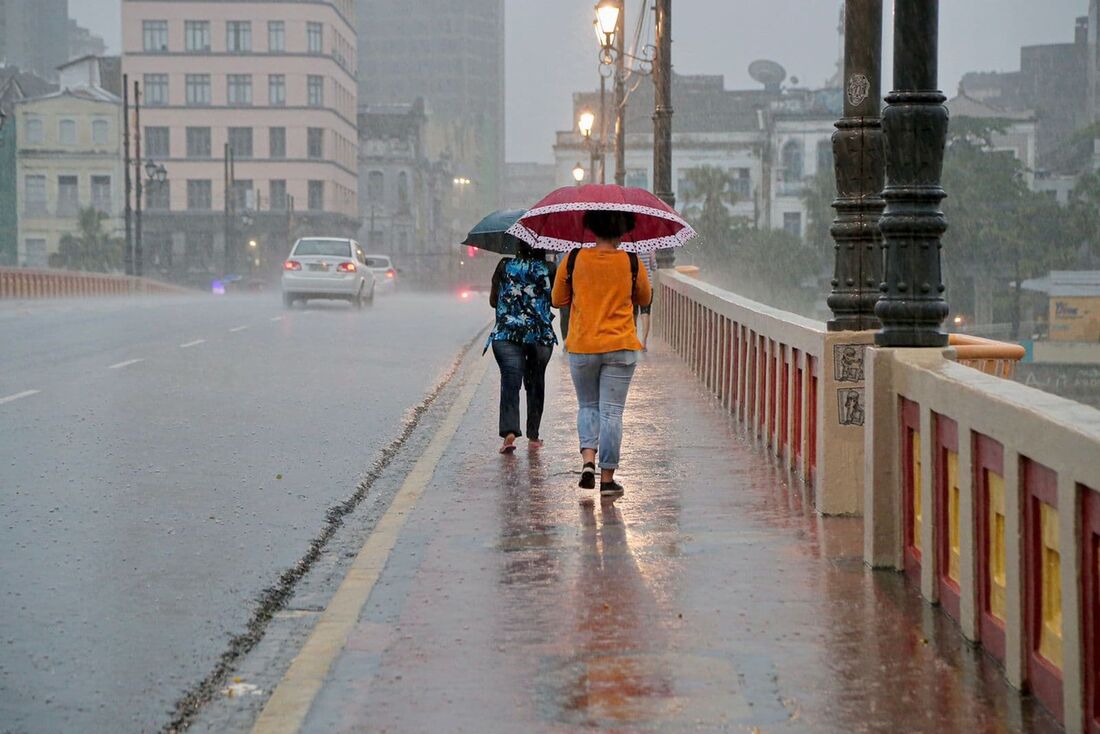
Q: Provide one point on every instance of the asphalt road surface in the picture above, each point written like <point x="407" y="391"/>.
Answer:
<point x="162" y="461"/>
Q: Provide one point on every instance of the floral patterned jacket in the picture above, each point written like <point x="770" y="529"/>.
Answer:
<point x="521" y="296"/>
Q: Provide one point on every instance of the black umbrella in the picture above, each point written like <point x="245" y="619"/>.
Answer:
<point x="491" y="232"/>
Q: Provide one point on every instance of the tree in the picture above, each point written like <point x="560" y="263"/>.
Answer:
<point x="818" y="198"/>
<point x="708" y="197"/>
<point x="91" y="248"/>
<point x="996" y="227"/>
<point x="1084" y="215"/>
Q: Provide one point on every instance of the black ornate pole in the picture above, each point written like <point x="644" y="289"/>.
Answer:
<point x="912" y="307"/>
<point x="139" y="252"/>
<point x="662" y="117"/>
<point x="860" y="173"/>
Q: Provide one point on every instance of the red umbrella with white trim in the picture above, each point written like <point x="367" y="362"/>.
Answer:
<point x="557" y="222"/>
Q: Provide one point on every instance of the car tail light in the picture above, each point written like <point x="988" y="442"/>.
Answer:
<point x="391" y="273"/>
<point x="292" y="265"/>
<point x="346" y="267"/>
<point x="464" y="295"/>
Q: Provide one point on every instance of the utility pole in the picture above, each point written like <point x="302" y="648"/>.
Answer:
<point x="860" y="173"/>
<point x="230" y="259"/>
<point x="138" y="255"/>
<point x="128" y="256"/>
<point x="912" y="307"/>
<point x="620" y="97"/>
<point x="662" y="117"/>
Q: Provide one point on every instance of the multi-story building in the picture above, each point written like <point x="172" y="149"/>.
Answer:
<point x="34" y="35"/>
<point x="771" y="142"/>
<point x="451" y="54"/>
<point x="15" y="85"/>
<point x="271" y="82"/>
<point x="69" y="157"/>
<point x="525" y="183"/>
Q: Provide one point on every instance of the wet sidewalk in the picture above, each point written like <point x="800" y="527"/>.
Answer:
<point x="708" y="598"/>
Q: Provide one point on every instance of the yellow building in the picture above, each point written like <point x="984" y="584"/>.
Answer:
<point x="1074" y="304"/>
<point x="68" y="157"/>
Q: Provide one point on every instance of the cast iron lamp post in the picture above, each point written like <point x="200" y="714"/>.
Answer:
<point x="594" y="144"/>
<point x="578" y="173"/>
<point x="858" y="161"/>
<point x="912" y="307"/>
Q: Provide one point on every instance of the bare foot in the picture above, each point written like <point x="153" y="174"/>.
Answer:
<point x="509" y="444"/>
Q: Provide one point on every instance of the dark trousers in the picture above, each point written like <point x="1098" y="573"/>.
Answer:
<point x="521" y="365"/>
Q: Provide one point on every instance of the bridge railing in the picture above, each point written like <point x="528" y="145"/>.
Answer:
<point x="42" y="283"/>
<point x="794" y="385"/>
<point x="985" y="492"/>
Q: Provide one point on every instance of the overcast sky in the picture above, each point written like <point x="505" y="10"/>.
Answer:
<point x="551" y="46"/>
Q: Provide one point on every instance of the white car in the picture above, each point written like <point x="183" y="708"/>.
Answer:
<point x="384" y="272"/>
<point x="327" y="267"/>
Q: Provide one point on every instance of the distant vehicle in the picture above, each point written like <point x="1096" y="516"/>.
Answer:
<point x="384" y="272"/>
<point x="327" y="267"/>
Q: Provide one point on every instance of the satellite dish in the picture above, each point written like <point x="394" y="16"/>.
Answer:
<point x="768" y="73"/>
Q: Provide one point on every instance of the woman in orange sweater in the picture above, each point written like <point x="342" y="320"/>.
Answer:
<point x="601" y="292"/>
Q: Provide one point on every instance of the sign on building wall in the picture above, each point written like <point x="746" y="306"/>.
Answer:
<point x="1075" y="319"/>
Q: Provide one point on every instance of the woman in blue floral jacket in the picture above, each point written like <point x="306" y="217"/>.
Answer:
<point x="523" y="339"/>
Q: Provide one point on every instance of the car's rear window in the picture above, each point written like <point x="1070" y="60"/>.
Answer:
<point x="327" y="248"/>
<point x="378" y="262"/>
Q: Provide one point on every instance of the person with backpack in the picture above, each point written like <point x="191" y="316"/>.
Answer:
<point x="601" y="285"/>
<point x="523" y="339"/>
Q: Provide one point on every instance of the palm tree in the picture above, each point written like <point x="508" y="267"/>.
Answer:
<point x="708" y="195"/>
<point x="91" y="248"/>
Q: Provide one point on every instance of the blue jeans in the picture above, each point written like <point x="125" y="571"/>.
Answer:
<point x="521" y="365"/>
<point x="602" y="382"/>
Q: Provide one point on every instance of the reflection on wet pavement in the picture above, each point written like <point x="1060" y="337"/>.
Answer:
<point x="709" y="598"/>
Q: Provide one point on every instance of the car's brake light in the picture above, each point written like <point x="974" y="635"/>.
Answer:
<point x="346" y="267"/>
<point x="292" y="265"/>
<point x="464" y="295"/>
<point x="391" y="273"/>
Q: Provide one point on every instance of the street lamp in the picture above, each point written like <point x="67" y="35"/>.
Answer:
<point x="606" y="23"/>
<point x="585" y="123"/>
<point x="155" y="173"/>
<point x="578" y="173"/>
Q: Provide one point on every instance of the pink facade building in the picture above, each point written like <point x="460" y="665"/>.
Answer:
<point x="276" y="82"/>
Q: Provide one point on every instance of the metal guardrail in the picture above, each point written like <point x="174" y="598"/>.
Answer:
<point x="989" y="356"/>
<point x="25" y="283"/>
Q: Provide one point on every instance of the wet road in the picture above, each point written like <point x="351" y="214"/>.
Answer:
<point x="162" y="462"/>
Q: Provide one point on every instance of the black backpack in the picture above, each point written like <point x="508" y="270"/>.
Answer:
<point x="571" y="263"/>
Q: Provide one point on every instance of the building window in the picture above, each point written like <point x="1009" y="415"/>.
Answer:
<point x="684" y="190"/>
<point x="156" y="90"/>
<point x="403" y="189"/>
<point x="157" y="196"/>
<point x="276" y="36"/>
<point x="198" y="89"/>
<point x="199" y="196"/>
<point x="198" y="250"/>
<point x="68" y="196"/>
<point x="198" y="142"/>
<point x="792" y="223"/>
<point x="154" y="34"/>
<point x="742" y="183"/>
<point x="240" y="142"/>
<point x="824" y="155"/>
<point x="276" y="138"/>
<point x="238" y="36"/>
<point x="36" y="256"/>
<point x="276" y="90"/>
<point x="66" y="132"/>
<point x="157" y="144"/>
<point x="34" y="131"/>
<point x="315" y="86"/>
<point x="101" y="194"/>
<point x="99" y="132"/>
<point x="244" y="198"/>
<point x="791" y="161"/>
<point x="376" y="185"/>
<point x="316" y="196"/>
<point x="637" y="178"/>
<point x="315" y="142"/>
<point x="196" y="35"/>
<point x="277" y="194"/>
<point x="238" y="89"/>
<point x="34" y="194"/>
<point x="314" y="38"/>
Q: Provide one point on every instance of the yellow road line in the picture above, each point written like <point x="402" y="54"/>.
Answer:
<point x="286" y="710"/>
